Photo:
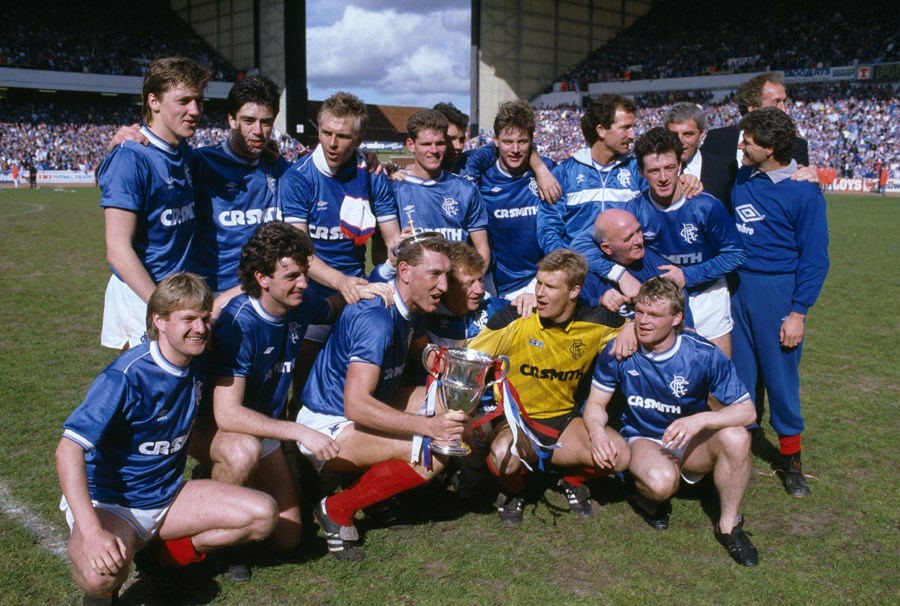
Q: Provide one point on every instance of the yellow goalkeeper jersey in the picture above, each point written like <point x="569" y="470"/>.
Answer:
<point x="549" y="362"/>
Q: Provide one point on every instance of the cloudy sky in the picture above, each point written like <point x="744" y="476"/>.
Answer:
<point x="392" y="52"/>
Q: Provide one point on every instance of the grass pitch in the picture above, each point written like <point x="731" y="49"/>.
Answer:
<point x="839" y="546"/>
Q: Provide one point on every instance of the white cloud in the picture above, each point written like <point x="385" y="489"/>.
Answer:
<point x="406" y="53"/>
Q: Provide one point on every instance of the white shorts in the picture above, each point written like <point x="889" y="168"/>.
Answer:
<point x="711" y="309"/>
<point x="269" y="445"/>
<point x="527" y="289"/>
<point x="318" y="333"/>
<point x="330" y="425"/>
<point x="124" y="316"/>
<point x="146" y="522"/>
<point x="688" y="476"/>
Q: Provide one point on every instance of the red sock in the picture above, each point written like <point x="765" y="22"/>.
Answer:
<point x="510" y="484"/>
<point x="382" y="481"/>
<point x="789" y="444"/>
<point x="176" y="552"/>
<point x="577" y="476"/>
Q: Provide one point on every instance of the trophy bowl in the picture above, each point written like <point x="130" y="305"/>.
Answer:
<point x="463" y="375"/>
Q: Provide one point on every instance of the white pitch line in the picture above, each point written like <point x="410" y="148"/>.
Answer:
<point x="47" y="534"/>
<point x="35" y="208"/>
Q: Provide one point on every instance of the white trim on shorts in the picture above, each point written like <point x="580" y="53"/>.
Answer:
<point x="329" y="425"/>
<point x="711" y="309"/>
<point x="124" y="316"/>
<point x="145" y="522"/>
<point x="269" y="445"/>
<point x="318" y="333"/>
<point x="691" y="477"/>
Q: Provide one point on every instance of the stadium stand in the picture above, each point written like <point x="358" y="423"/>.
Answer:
<point x="74" y="136"/>
<point x="679" y="39"/>
<point x="849" y="126"/>
<point x="101" y="37"/>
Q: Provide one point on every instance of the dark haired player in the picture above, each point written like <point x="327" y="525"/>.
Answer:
<point x="696" y="235"/>
<point x="237" y="186"/>
<point x="785" y="232"/>
<point x="255" y="346"/>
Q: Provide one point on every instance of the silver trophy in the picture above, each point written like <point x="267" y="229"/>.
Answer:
<point x="464" y="375"/>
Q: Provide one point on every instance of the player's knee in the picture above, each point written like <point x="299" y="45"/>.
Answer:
<point x="661" y="481"/>
<point x="501" y="461"/>
<point x="261" y="516"/>
<point x="735" y="442"/>
<point x="240" y="458"/>
<point x="95" y="584"/>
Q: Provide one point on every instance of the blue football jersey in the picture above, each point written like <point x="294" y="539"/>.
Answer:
<point x="698" y="235"/>
<point x="234" y="195"/>
<point x="134" y="425"/>
<point x="588" y="190"/>
<point x="311" y="195"/>
<point x="155" y="183"/>
<point x="449" y="204"/>
<point x="512" y="206"/>
<point x="662" y="387"/>
<point x="447" y="329"/>
<point x="250" y="342"/>
<point x="369" y="332"/>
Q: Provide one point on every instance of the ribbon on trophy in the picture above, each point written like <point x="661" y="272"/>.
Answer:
<point x="421" y="445"/>
<point x="510" y="406"/>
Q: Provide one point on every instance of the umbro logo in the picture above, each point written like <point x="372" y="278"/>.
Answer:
<point x="268" y="351"/>
<point x="634" y="373"/>
<point x="748" y="214"/>
<point x="495" y="190"/>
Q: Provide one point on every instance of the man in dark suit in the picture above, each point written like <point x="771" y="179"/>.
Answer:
<point x="716" y="171"/>
<point x="764" y="90"/>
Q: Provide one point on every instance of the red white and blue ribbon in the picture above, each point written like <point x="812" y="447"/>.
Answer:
<point x="510" y="406"/>
<point x="421" y="445"/>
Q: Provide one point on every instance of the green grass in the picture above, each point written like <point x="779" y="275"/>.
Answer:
<point x="837" y="547"/>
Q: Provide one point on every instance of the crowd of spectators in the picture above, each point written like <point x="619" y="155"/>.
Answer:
<point x="851" y="127"/>
<point x="99" y="37"/>
<point x="680" y="39"/>
<point x="74" y="136"/>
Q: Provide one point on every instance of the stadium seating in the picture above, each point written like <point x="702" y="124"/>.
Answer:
<point x="100" y="37"/>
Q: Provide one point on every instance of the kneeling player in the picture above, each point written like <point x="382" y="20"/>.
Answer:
<point x="122" y="456"/>
<point x="550" y="351"/>
<point x="354" y="397"/>
<point x="670" y="430"/>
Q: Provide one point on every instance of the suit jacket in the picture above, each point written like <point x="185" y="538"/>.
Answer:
<point x="717" y="173"/>
<point x="725" y="141"/>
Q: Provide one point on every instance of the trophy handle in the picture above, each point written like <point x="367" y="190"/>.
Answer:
<point x="440" y="359"/>
<point x="504" y="370"/>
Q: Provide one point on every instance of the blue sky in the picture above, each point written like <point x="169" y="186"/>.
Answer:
<point x="391" y="52"/>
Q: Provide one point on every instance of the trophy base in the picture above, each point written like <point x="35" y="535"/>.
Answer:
<point x="452" y="449"/>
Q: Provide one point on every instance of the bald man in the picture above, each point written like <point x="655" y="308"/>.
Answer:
<point x="619" y="238"/>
